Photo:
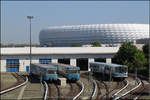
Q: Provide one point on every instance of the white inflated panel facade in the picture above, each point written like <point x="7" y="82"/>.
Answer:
<point x="86" y="34"/>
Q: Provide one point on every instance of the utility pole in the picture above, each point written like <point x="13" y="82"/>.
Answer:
<point x="30" y="17"/>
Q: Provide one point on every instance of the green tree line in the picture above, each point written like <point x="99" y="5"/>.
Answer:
<point x="134" y="58"/>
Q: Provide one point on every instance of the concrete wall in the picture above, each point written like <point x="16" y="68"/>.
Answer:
<point x="73" y="62"/>
<point x="72" y="53"/>
<point x="54" y="60"/>
<point x="108" y="60"/>
<point x="25" y="60"/>
<point x="3" y="66"/>
<point x="90" y="60"/>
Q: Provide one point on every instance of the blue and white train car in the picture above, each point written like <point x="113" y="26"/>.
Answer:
<point x="48" y="72"/>
<point x="115" y="70"/>
<point x="68" y="71"/>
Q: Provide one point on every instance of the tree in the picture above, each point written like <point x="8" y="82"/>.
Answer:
<point x="146" y="53"/>
<point x="146" y="50"/>
<point x="96" y="44"/>
<point x="129" y="55"/>
<point x="125" y="53"/>
<point x="139" y="60"/>
<point x="76" y="45"/>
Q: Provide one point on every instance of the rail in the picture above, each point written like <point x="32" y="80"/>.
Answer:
<point x="80" y="91"/>
<point x="95" y="89"/>
<point x="10" y="89"/>
<point x="139" y="83"/>
<point x="46" y="90"/>
<point x="127" y="83"/>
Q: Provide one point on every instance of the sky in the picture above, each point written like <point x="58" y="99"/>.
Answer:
<point x="15" y="25"/>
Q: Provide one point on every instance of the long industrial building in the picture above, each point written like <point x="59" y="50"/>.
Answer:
<point x="17" y="59"/>
<point x="63" y="36"/>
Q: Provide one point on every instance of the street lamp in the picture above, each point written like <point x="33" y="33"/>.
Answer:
<point x="30" y="17"/>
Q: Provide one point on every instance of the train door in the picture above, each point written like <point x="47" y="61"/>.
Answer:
<point x="82" y="63"/>
<point x="100" y="60"/>
<point x="12" y="65"/>
<point x="64" y="61"/>
<point x="27" y="68"/>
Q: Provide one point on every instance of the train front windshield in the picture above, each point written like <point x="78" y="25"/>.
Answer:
<point x="121" y="69"/>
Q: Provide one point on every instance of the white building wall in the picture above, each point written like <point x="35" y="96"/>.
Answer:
<point x="55" y="53"/>
<point x="3" y="66"/>
<point x="23" y="64"/>
<point x="108" y="60"/>
<point x="54" y="60"/>
<point x="73" y="62"/>
<point x="90" y="60"/>
<point x="35" y="61"/>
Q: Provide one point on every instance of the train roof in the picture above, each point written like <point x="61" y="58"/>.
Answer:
<point x="46" y="66"/>
<point x="108" y="64"/>
<point x="67" y="66"/>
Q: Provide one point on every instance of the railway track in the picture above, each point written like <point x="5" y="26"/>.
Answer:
<point x="19" y="78"/>
<point x="102" y="88"/>
<point x="53" y="91"/>
<point x="144" y="92"/>
<point x="137" y="93"/>
<point x="102" y="85"/>
<point x="133" y="84"/>
<point x="89" y="86"/>
<point x="105" y="89"/>
<point x="20" y="82"/>
<point x="75" y="88"/>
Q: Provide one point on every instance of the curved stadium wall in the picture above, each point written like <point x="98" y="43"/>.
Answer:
<point x="86" y="34"/>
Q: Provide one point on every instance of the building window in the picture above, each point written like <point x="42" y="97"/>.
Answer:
<point x="12" y="65"/>
<point x="44" y="61"/>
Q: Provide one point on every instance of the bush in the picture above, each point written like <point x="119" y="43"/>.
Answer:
<point x="76" y="45"/>
<point x="96" y="44"/>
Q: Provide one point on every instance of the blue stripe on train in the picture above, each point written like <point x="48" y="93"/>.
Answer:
<point x="50" y="76"/>
<point x="119" y="74"/>
<point x="75" y="76"/>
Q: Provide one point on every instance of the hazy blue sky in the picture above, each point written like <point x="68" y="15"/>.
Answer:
<point x="15" y="25"/>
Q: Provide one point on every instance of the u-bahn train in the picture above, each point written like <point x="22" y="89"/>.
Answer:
<point x="44" y="71"/>
<point x="68" y="71"/>
<point x="115" y="70"/>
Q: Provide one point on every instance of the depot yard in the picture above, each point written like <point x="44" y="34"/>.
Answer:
<point x="7" y="80"/>
<point x="11" y="95"/>
<point x="88" y="85"/>
<point x="35" y="90"/>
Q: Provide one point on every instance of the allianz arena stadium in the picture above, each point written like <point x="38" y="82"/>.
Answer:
<point x="86" y="34"/>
